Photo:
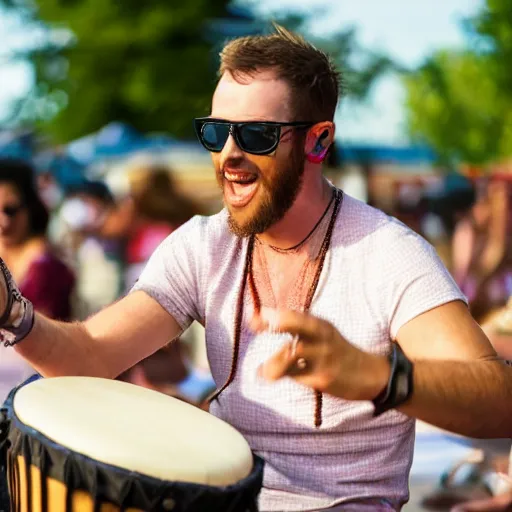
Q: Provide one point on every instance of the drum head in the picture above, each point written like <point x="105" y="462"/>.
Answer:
<point x="135" y="429"/>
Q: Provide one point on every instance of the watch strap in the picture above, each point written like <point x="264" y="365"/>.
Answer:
<point x="400" y="384"/>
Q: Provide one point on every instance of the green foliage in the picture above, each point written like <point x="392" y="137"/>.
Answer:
<point x="460" y="102"/>
<point x="150" y="64"/>
<point x="360" y="68"/>
<point x="145" y="63"/>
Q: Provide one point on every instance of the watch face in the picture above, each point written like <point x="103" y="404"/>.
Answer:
<point x="402" y="385"/>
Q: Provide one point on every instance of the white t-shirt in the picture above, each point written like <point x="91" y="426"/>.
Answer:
<point x="378" y="275"/>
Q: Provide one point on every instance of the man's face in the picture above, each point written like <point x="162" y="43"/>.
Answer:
<point x="258" y="190"/>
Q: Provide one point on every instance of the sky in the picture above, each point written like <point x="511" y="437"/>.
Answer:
<point x="407" y="30"/>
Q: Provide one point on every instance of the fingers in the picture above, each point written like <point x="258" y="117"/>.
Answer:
<point x="295" y="323"/>
<point x="312" y="362"/>
<point x="284" y="363"/>
<point x="278" y="365"/>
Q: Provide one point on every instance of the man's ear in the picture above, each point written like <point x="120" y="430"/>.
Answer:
<point x="318" y="141"/>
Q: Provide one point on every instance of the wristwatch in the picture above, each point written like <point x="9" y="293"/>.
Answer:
<point x="400" y="384"/>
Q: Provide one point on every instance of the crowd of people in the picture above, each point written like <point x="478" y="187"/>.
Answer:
<point x="472" y="232"/>
<point x="76" y="255"/>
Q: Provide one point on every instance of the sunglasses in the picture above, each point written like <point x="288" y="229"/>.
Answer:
<point x="12" y="210"/>
<point x="255" y="137"/>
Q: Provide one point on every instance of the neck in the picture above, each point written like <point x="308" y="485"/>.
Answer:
<point x="300" y="219"/>
<point x="13" y="252"/>
<point x="10" y="251"/>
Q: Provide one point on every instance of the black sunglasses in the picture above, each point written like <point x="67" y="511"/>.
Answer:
<point x="12" y="210"/>
<point x="255" y="137"/>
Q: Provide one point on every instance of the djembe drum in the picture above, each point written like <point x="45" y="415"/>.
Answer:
<point x="87" y="444"/>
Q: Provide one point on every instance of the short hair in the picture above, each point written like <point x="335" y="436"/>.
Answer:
<point x="312" y="76"/>
<point x="21" y="175"/>
<point x="95" y="189"/>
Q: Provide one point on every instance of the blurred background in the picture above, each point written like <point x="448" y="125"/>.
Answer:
<point x="97" y="99"/>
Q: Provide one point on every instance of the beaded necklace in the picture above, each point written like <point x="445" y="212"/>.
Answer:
<point x="248" y="278"/>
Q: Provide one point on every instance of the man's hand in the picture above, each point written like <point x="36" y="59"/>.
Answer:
<point x="329" y="362"/>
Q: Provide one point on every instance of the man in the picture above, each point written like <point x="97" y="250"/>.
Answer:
<point x="300" y="289"/>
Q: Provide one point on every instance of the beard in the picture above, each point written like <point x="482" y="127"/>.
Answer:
<point x="277" y="197"/>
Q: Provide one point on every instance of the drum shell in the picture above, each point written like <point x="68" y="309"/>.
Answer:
<point x="62" y="480"/>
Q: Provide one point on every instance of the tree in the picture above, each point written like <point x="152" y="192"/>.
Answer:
<point x="360" y="67"/>
<point x="454" y="105"/>
<point x="460" y="102"/>
<point x="149" y="64"/>
<point x="144" y="63"/>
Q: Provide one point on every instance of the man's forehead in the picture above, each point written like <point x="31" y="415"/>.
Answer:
<point x="258" y="96"/>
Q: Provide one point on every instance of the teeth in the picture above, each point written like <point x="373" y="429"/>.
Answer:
<point x="239" y="177"/>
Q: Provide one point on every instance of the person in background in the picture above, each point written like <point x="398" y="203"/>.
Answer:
<point x="143" y="219"/>
<point x="98" y="260"/>
<point x="50" y="192"/>
<point x="41" y="275"/>
<point x="482" y="253"/>
<point x="150" y="211"/>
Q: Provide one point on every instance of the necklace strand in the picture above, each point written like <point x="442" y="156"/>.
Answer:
<point x="308" y="236"/>
<point x="248" y="278"/>
<point x="267" y="280"/>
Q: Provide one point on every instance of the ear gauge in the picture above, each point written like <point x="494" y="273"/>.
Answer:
<point x="317" y="156"/>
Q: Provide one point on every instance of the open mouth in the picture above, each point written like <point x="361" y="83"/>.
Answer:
<point x="239" y="187"/>
<point x="241" y="178"/>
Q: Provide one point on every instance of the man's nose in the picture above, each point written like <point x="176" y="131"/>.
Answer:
<point x="230" y="151"/>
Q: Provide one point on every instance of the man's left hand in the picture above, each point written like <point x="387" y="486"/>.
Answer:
<point x="321" y="357"/>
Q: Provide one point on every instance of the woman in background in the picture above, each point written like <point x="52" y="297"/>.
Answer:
<point x="144" y="218"/>
<point x="150" y="211"/>
<point x="42" y="277"/>
<point x="482" y="251"/>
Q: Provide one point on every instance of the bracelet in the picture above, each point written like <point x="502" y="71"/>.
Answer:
<point x="20" y="327"/>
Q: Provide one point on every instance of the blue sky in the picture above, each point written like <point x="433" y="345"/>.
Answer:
<point x="408" y="30"/>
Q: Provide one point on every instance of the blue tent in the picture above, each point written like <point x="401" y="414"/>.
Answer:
<point x="368" y="153"/>
<point x="115" y="140"/>
<point x="67" y="171"/>
<point x="17" y="145"/>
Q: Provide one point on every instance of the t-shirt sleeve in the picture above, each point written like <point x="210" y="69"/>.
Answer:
<point x="172" y="274"/>
<point x="417" y="281"/>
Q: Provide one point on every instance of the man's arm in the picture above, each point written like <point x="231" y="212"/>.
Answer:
<point x="459" y="383"/>
<point x="105" y="345"/>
